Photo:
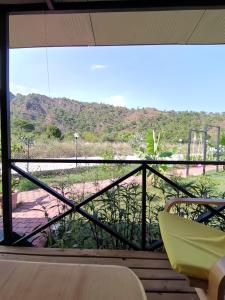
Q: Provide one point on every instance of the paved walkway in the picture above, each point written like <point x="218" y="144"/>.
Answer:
<point x="194" y="171"/>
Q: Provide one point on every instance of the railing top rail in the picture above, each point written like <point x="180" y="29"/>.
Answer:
<point x="117" y="161"/>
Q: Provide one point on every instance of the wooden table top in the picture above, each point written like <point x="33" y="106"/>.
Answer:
<point x="53" y="281"/>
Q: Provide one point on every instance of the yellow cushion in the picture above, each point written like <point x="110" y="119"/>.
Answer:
<point x="192" y="248"/>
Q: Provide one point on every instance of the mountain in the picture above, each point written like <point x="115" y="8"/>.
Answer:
<point x="108" y="122"/>
<point x="11" y="96"/>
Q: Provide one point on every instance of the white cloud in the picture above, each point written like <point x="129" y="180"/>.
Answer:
<point x="20" y="89"/>
<point x="116" y="100"/>
<point x="98" y="67"/>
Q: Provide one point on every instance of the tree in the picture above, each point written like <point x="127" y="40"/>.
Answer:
<point x="53" y="131"/>
<point x="23" y="125"/>
<point x="222" y="139"/>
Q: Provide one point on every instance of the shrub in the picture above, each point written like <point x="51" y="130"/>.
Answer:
<point x="26" y="185"/>
<point x="53" y="131"/>
<point x="121" y="209"/>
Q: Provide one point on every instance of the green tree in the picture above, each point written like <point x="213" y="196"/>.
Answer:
<point x="23" y="125"/>
<point x="17" y="148"/>
<point x="53" y="131"/>
<point x="222" y="139"/>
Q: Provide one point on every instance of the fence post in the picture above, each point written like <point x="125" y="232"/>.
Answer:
<point x="143" y="229"/>
<point x="218" y="148"/>
<point x="189" y="152"/>
<point x="5" y="128"/>
<point x="205" y="147"/>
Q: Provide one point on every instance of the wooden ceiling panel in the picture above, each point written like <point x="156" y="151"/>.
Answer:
<point x="50" y="30"/>
<point x="211" y="28"/>
<point x="172" y="27"/>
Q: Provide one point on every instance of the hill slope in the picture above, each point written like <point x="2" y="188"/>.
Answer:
<point x="106" y="121"/>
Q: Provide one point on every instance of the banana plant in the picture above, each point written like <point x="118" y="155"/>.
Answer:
<point x="153" y="151"/>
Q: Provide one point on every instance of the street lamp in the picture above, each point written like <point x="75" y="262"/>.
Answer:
<point x="179" y="148"/>
<point x="76" y="136"/>
<point x="28" y="141"/>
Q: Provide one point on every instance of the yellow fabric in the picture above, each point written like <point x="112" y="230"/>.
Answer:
<point x="192" y="248"/>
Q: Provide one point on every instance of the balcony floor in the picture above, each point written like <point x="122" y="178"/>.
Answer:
<point x="159" y="280"/>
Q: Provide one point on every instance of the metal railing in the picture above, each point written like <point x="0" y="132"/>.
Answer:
<point x="144" y="166"/>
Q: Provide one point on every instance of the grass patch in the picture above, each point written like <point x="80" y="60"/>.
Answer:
<point x="26" y="185"/>
<point x="219" y="179"/>
<point x="87" y="175"/>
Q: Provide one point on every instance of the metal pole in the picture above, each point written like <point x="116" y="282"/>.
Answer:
<point x="5" y="128"/>
<point x="205" y="147"/>
<point x="189" y="151"/>
<point x="28" y="153"/>
<point x="218" y="147"/>
<point x="76" y="149"/>
<point x="143" y="229"/>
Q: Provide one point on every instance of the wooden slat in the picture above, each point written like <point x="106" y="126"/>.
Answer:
<point x="158" y="274"/>
<point x="154" y="270"/>
<point x="167" y="286"/>
<point x="131" y="263"/>
<point x="84" y="252"/>
<point x="171" y="296"/>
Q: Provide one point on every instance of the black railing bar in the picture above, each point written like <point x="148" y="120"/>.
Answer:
<point x="108" y="229"/>
<point x="87" y="216"/>
<point x="213" y="210"/>
<point x="74" y="208"/>
<point x="180" y="188"/>
<point x="108" y="187"/>
<point x="208" y="215"/>
<point x="143" y="210"/>
<point x="43" y="227"/>
<point x="201" y="219"/>
<point x="118" y="161"/>
<point x="155" y="245"/>
<point x="43" y="186"/>
<point x="111" y="6"/>
<point x="169" y="181"/>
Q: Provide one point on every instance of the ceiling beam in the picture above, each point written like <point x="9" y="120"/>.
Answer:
<point x="114" y="6"/>
<point x="50" y="4"/>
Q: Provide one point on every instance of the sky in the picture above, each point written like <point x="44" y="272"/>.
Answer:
<point x="164" y="77"/>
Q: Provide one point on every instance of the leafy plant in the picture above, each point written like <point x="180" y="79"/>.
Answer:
<point x="121" y="209"/>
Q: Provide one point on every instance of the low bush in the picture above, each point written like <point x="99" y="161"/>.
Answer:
<point x="120" y="208"/>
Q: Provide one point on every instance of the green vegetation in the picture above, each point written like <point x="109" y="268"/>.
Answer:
<point x="101" y="122"/>
<point x="80" y="175"/>
<point x="44" y="127"/>
<point x="120" y="208"/>
<point x="218" y="180"/>
<point x="53" y="131"/>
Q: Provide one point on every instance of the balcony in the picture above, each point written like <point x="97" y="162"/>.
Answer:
<point x="51" y="215"/>
<point x="159" y="280"/>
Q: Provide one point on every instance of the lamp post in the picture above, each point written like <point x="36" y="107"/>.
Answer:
<point x="217" y="142"/>
<point x="76" y="136"/>
<point x="179" y="148"/>
<point x="28" y="141"/>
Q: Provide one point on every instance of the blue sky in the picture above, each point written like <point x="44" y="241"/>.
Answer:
<point x="164" y="77"/>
